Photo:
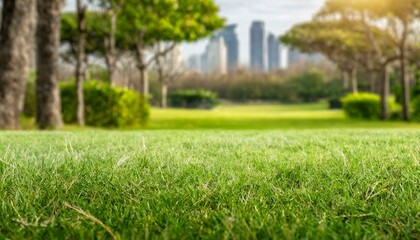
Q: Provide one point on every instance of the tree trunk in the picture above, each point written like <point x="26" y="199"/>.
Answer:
<point x="354" y="87"/>
<point x="164" y="93"/>
<point x="16" y="34"/>
<point x="384" y="93"/>
<point x="109" y="42"/>
<point x="47" y="89"/>
<point x="80" y="112"/>
<point x="142" y="67"/>
<point x="144" y="81"/>
<point x="345" y="79"/>
<point x="372" y="81"/>
<point x="86" y="71"/>
<point x="405" y="85"/>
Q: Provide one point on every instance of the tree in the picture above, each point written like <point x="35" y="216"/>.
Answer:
<point x="147" y="22"/>
<point x="168" y="70"/>
<point x="81" y="40"/>
<point x="365" y="14"/>
<point x="17" y="30"/>
<point x="48" y="40"/>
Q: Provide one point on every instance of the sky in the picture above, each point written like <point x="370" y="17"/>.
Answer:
<point x="278" y="15"/>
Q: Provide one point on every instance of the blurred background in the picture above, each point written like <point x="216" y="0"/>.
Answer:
<point x="236" y="64"/>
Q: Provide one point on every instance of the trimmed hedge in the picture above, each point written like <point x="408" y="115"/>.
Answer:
<point x="199" y="99"/>
<point x="105" y="106"/>
<point x="367" y="106"/>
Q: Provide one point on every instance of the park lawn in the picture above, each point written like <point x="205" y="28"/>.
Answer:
<point x="282" y="184"/>
<point x="264" y="116"/>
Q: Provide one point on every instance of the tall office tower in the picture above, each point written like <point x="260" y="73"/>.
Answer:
<point x="203" y="62"/>
<point x="216" y="56"/>
<point x="232" y="45"/>
<point x="273" y="53"/>
<point x="257" y="46"/>
<point x="194" y="63"/>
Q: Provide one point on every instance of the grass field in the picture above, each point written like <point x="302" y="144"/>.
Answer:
<point x="263" y="116"/>
<point x="314" y="184"/>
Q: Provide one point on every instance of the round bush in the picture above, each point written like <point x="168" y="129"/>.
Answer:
<point x="362" y="105"/>
<point x="367" y="106"/>
<point x="105" y="106"/>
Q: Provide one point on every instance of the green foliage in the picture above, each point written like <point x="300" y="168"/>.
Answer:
<point x="168" y="20"/>
<point x="200" y="99"/>
<point x="362" y="105"/>
<point x="308" y="87"/>
<point x="105" y="106"/>
<point x="416" y="108"/>
<point x="367" y="106"/>
<point x="97" y="27"/>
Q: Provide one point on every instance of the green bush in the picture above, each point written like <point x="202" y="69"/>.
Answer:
<point x="199" y="99"/>
<point x="308" y="87"/>
<point x="416" y="108"/>
<point x="368" y="106"/>
<point x="362" y="105"/>
<point x="105" y="106"/>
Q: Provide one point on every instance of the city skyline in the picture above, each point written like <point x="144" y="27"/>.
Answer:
<point x="279" y="16"/>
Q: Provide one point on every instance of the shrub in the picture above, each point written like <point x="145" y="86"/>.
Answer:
<point x="416" y="108"/>
<point x="105" y="106"/>
<point x="309" y="87"/>
<point x="199" y="99"/>
<point x="362" y="105"/>
<point x="368" y="106"/>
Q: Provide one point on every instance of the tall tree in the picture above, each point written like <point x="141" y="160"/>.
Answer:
<point x="367" y="15"/>
<point x="48" y="40"/>
<point x="110" y="9"/>
<point x="168" y="69"/>
<point x="403" y="16"/>
<point x="147" y="22"/>
<point x="17" y="30"/>
<point x="81" y="40"/>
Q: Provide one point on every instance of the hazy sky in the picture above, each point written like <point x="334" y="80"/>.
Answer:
<point x="279" y="16"/>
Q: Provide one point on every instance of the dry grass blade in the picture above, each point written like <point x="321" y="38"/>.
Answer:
<point x="94" y="219"/>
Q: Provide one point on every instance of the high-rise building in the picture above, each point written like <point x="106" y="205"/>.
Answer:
<point x="257" y="46"/>
<point x="273" y="53"/>
<point x="216" y="56"/>
<point x="232" y="46"/>
<point x="203" y="61"/>
<point x="194" y="63"/>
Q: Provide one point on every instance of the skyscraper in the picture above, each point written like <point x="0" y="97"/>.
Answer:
<point x="257" y="46"/>
<point x="232" y="46"/>
<point x="194" y="63"/>
<point x="216" y="56"/>
<point x="273" y="53"/>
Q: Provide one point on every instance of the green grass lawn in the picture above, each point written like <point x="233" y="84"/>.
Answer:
<point x="282" y="184"/>
<point x="263" y="116"/>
